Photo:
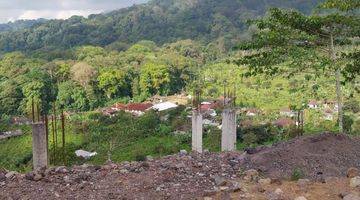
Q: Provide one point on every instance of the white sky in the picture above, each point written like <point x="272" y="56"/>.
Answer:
<point x="11" y="10"/>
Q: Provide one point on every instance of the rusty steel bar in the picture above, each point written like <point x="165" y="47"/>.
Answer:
<point x="38" y="111"/>
<point x="46" y="122"/>
<point x="55" y="130"/>
<point x="63" y="136"/>
<point x="33" y="110"/>
<point x="53" y="138"/>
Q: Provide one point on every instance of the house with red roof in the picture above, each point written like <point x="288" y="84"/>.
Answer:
<point x="251" y="112"/>
<point x="328" y="114"/>
<point x="118" y="107"/>
<point x="138" y="109"/>
<point x="313" y="104"/>
<point x="287" y="112"/>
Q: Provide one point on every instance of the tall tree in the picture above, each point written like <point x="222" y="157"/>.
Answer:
<point x="83" y="73"/>
<point x="312" y="44"/>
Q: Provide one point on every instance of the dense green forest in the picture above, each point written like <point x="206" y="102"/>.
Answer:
<point x="53" y="64"/>
<point x="209" y="21"/>
<point x="20" y="24"/>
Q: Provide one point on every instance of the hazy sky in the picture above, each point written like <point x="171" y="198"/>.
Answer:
<point x="11" y="10"/>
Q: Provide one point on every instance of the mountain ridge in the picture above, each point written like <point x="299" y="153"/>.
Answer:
<point x="158" y="20"/>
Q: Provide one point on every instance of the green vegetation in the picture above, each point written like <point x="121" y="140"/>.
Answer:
<point x="162" y="21"/>
<point x="297" y="174"/>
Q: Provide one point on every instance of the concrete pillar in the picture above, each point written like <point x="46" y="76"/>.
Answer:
<point x="228" y="135"/>
<point x="197" y="131"/>
<point x="40" y="152"/>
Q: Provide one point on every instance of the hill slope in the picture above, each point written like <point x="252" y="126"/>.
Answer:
<point x="20" y="24"/>
<point x="159" y="20"/>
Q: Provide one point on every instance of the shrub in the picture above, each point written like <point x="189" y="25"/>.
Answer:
<point x="297" y="174"/>
<point x="160" y="148"/>
<point x="263" y="133"/>
<point x="352" y="105"/>
<point x="164" y="129"/>
<point x="174" y="113"/>
<point x="294" y="132"/>
<point x="148" y="123"/>
<point x="139" y="155"/>
<point x="348" y="122"/>
<point x="356" y="127"/>
<point x="250" y="138"/>
<point x="20" y="161"/>
<point x="184" y="138"/>
<point x="164" y="149"/>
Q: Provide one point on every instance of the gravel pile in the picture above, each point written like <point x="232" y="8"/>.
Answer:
<point x="172" y="177"/>
<point x="317" y="157"/>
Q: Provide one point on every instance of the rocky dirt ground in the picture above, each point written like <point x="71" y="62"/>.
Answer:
<point x="261" y="173"/>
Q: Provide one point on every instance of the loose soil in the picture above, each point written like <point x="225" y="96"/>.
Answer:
<point x="317" y="157"/>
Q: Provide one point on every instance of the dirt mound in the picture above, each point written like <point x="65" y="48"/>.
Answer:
<point x="317" y="157"/>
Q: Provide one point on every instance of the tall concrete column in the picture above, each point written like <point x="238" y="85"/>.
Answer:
<point x="197" y="131"/>
<point x="39" y="141"/>
<point x="228" y="135"/>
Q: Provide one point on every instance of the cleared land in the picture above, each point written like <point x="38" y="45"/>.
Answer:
<point x="215" y="175"/>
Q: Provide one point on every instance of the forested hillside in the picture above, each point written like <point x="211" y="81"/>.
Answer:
<point x="20" y="24"/>
<point x="161" y="21"/>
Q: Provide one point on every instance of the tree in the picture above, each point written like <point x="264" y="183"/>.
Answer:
<point x="82" y="73"/>
<point x="310" y="44"/>
<point x="88" y="52"/>
<point x="10" y="97"/>
<point x="154" y="79"/>
<point x="37" y="87"/>
<point x="72" y="97"/>
<point x="113" y="83"/>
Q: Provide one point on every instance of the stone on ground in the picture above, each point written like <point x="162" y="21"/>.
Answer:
<point x="351" y="197"/>
<point x="264" y="181"/>
<point x="352" y="172"/>
<point x="183" y="152"/>
<point x="2" y="176"/>
<point x="251" y="175"/>
<point x="355" y="182"/>
<point x="303" y="182"/>
<point x="10" y="174"/>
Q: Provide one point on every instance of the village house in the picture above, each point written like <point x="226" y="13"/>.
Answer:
<point x="209" y="108"/>
<point x="20" y="121"/>
<point x="313" y="104"/>
<point x="287" y="112"/>
<point x="108" y="111"/>
<point x="164" y="106"/>
<point x="252" y="112"/>
<point x="328" y="115"/>
<point x="331" y="104"/>
<point x="118" y="107"/>
<point x="10" y="134"/>
<point x="138" y="109"/>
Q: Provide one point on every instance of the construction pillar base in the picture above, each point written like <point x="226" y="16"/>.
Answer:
<point x="197" y="130"/>
<point x="228" y="135"/>
<point x="39" y="148"/>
